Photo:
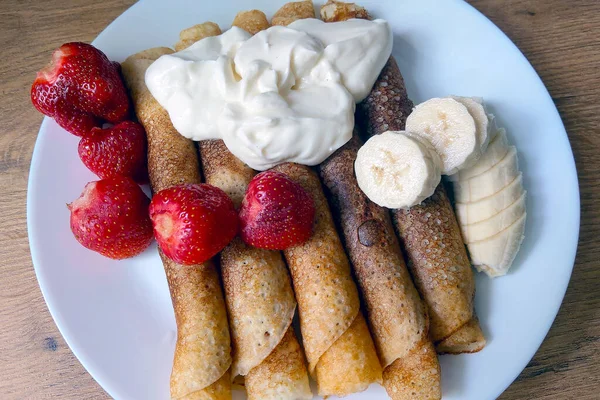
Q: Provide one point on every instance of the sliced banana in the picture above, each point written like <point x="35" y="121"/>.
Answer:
<point x="496" y="254"/>
<point x="489" y="227"/>
<point x="495" y="152"/>
<point x="450" y="128"/>
<point x="482" y="121"/>
<point x="396" y="170"/>
<point x="489" y="182"/>
<point x="471" y="213"/>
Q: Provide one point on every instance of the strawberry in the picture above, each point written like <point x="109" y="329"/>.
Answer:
<point x="111" y="218"/>
<point x="276" y="212"/>
<point x="80" y="88"/>
<point x="120" y="150"/>
<point x="193" y="222"/>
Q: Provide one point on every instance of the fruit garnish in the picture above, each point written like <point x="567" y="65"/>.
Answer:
<point x="80" y="88"/>
<point x="111" y="218"/>
<point x="397" y="169"/>
<point x="193" y="222"/>
<point x="119" y="150"/>
<point x="276" y="212"/>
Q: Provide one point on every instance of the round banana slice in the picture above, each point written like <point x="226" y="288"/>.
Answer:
<point x="482" y="122"/>
<point x="450" y="128"/>
<point x="397" y="170"/>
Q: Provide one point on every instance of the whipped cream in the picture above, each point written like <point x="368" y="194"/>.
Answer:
<point x="284" y="94"/>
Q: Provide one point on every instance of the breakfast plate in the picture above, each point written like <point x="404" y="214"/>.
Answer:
<point x="117" y="316"/>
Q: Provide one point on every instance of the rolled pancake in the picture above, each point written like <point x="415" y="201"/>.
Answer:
<point x="396" y="314"/>
<point x="258" y="292"/>
<point x="202" y="351"/>
<point x="259" y="297"/>
<point x="340" y="352"/>
<point x="285" y="369"/>
<point x="441" y="270"/>
<point x="386" y="108"/>
<point x="405" y="378"/>
<point x="260" y="302"/>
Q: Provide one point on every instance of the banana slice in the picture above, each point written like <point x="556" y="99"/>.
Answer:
<point x="471" y="213"/>
<point x="489" y="182"/>
<point x="496" y="254"/>
<point x="489" y="227"/>
<point x="482" y="120"/>
<point x="448" y="125"/>
<point x="495" y="152"/>
<point x="397" y="170"/>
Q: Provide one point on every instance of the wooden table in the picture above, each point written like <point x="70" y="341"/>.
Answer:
<point x="560" y="38"/>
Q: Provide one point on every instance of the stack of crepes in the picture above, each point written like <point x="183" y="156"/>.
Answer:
<point x="429" y="232"/>
<point x="202" y="352"/>
<point x="342" y="356"/>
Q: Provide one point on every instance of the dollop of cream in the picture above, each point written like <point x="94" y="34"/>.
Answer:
<point x="286" y="94"/>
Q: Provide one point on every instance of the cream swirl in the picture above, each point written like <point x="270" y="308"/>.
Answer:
<point x="284" y="94"/>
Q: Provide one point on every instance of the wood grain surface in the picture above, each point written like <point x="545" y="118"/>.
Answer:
<point x="561" y="39"/>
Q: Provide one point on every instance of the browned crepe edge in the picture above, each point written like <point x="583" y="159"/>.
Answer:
<point x="406" y="379"/>
<point x="285" y="369"/>
<point x="350" y="365"/>
<point x="293" y="11"/>
<point x="252" y="21"/>
<point x="467" y="339"/>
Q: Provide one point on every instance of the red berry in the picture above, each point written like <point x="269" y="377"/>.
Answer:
<point x="276" y="213"/>
<point x="192" y="223"/>
<point x="80" y="89"/>
<point x="120" y="150"/>
<point x="111" y="218"/>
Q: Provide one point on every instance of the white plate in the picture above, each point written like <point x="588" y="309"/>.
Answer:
<point x="117" y="316"/>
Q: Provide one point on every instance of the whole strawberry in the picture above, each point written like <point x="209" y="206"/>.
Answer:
<point x="276" y="213"/>
<point x="80" y="88"/>
<point x="120" y="150"/>
<point x="193" y="222"/>
<point x="111" y="218"/>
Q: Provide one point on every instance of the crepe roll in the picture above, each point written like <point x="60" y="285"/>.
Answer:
<point x="441" y="270"/>
<point x="258" y="292"/>
<point x="340" y="352"/>
<point x="202" y="352"/>
<point x="396" y="314"/>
